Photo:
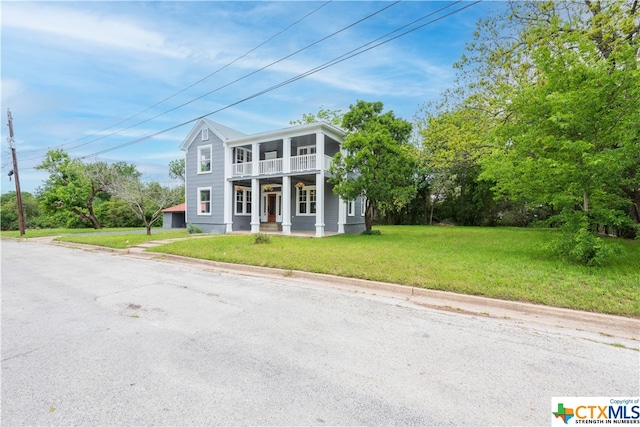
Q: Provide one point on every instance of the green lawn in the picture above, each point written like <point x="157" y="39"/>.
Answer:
<point x="122" y="241"/>
<point x="504" y="263"/>
<point x="59" y="231"/>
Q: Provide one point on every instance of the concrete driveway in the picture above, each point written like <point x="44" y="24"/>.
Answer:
<point x="94" y="338"/>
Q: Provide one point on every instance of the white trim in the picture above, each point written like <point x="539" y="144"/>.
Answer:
<point x="311" y="149"/>
<point x="199" y="159"/>
<point x="351" y="208"/>
<point x="363" y="205"/>
<point x="246" y="201"/>
<point x="333" y="132"/>
<point x="205" y="134"/>
<point x="307" y="202"/>
<point x="247" y="155"/>
<point x="200" y="204"/>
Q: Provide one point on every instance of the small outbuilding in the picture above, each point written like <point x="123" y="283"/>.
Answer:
<point x="174" y="217"/>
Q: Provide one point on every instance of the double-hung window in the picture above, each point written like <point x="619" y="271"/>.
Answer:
<point x="351" y="208"/>
<point x="243" y="201"/>
<point x="363" y="206"/>
<point x="204" y="201"/>
<point x="204" y="158"/>
<point x="306" y="200"/>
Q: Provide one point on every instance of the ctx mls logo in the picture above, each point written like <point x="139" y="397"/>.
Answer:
<point x="564" y="413"/>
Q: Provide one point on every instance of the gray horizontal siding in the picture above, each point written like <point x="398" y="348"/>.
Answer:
<point x="215" y="180"/>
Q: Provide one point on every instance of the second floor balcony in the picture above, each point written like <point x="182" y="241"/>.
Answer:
<point x="297" y="164"/>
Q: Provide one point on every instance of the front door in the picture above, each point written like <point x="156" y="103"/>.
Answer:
<point x="271" y="207"/>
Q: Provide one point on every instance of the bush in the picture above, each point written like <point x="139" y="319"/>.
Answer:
<point x="262" y="238"/>
<point x="578" y="244"/>
<point x="194" y="229"/>
<point x="371" y="232"/>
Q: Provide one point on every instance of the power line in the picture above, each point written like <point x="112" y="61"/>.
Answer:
<point x="188" y="87"/>
<point x="238" y="79"/>
<point x="355" y="52"/>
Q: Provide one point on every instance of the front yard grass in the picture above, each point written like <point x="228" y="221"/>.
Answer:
<point x="122" y="241"/>
<point x="45" y="232"/>
<point x="503" y="263"/>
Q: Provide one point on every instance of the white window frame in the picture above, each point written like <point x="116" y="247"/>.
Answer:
<point x="309" y="149"/>
<point x="246" y="201"/>
<point x="363" y="205"/>
<point x="247" y="155"/>
<point x="205" y="134"/>
<point x="200" y="202"/>
<point x="308" y="200"/>
<point x="351" y="208"/>
<point x="200" y="160"/>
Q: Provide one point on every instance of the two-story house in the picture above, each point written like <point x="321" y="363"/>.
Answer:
<point x="268" y="181"/>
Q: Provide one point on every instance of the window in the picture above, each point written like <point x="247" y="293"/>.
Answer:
<point x="363" y="205"/>
<point x="204" y="159"/>
<point x="351" y="208"/>
<point x="204" y="201"/>
<point x="243" y="201"/>
<point x="243" y="155"/>
<point x="205" y="134"/>
<point x="306" y="200"/>
<point x="307" y="149"/>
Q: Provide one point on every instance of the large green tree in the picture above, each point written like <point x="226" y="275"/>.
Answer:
<point x="377" y="160"/>
<point x="562" y="80"/>
<point x="75" y="187"/>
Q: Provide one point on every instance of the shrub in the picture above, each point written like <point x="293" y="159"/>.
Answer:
<point x="193" y="229"/>
<point x="371" y="232"/>
<point x="262" y="238"/>
<point x="578" y="244"/>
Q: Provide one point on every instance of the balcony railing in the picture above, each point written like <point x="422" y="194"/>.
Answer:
<point x="269" y="167"/>
<point x="242" y="169"/>
<point x="303" y="163"/>
<point x="274" y="166"/>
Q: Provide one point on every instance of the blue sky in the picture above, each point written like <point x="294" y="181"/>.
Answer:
<point x="70" y="70"/>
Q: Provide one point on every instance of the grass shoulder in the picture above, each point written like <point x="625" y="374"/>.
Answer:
<point x="124" y="240"/>
<point x="503" y="263"/>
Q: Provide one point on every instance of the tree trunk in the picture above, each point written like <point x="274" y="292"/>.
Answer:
<point x="585" y="203"/>
<point x="148" y="226"/>
<point x="431" y="213"/>
<point x="368" y="217"/>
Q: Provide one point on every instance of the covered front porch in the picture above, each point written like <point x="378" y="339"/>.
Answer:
<point x="288" y="205"/>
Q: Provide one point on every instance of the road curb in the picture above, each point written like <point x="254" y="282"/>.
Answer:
<point x="604" y="324"/>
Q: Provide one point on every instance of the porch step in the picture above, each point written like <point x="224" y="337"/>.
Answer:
<point x="270" y="227"/>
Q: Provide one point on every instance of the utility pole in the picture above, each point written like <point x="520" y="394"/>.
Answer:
<point x="15" y="172"/>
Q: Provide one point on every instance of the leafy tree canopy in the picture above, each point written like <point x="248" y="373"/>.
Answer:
<point x="377" y="161"/>
<point x="333" y="117"/>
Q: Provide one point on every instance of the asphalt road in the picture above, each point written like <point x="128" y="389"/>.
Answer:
<point x="102" y="339"/>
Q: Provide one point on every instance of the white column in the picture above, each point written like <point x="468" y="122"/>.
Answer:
<point x="320" y="151"/>
<point x="320" y="184"/>
<point x="228" y="193"/>
<point x="342" y="215"/>
<point x="320" y="204"/>
<point x="286" y="205"/>
<point x="286" y="155"/>
<point x="255" y="153"/>
<point x="255" y="205"/>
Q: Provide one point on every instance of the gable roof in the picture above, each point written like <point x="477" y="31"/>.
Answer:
<point x="223" y="132"/>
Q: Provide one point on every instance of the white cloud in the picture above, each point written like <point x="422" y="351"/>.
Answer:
<point x="119" y="32"/>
